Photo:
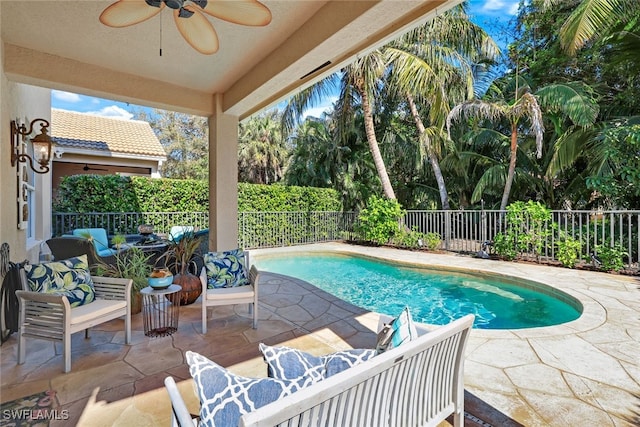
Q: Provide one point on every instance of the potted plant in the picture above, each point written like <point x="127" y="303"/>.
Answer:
<point x="132" y="263"/>
<point x="179" y="257"/>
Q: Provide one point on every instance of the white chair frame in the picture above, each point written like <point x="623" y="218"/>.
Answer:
<point x="50" y="317"/>
<point x="228" y="296"/>
<point x="418" y="384"/>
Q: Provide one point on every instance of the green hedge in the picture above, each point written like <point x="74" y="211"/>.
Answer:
<point x="113" y="193"/>
<point x="280" y="198"/>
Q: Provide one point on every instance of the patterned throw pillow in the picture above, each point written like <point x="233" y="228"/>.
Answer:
<point x="225" y="397"/>
<point x="286" y="363"/>
<point x="69" y="277"/>
<point x="225" y="269"/>
<point x="398" y="331"/>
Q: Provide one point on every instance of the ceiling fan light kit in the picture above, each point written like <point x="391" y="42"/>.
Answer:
<point x="189" y="17"/>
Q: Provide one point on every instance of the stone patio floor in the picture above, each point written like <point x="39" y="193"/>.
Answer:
<point x="585" y="372"/>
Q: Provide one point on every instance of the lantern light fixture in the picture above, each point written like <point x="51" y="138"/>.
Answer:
<point x="42" y="145"/>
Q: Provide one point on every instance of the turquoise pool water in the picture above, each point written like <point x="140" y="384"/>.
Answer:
<point x="433" y="296"/>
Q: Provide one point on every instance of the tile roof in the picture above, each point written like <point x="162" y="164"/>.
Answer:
<point x="87" y="131"/>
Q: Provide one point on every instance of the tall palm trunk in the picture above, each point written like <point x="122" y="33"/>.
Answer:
<point x="373" y="145"/>
<point x="433" y="159"/>
<point x="512" y="166"/>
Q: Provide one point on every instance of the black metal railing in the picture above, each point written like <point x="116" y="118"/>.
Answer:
<point x="460" y="231"/>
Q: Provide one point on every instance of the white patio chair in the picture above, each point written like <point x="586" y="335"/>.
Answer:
<point x="49" y="316"/>
<point x="229" y="295"/>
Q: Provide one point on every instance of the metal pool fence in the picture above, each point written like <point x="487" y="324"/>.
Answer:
<point x="460" y="231"/>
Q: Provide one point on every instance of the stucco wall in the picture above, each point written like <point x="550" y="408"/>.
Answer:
<point x="24" y="103"/>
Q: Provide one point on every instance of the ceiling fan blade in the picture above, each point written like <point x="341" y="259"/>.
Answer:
<point x="198" y="32"/>
<point x="124" y="13"/>
<point x="244" y="12"/>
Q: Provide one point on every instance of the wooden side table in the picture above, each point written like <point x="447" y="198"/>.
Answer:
<point x="160" y="308"/>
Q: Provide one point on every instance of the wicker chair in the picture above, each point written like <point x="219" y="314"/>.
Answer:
<point x="67" y="247"/>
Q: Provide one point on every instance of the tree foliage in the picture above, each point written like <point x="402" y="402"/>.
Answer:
<point x="262" y="150"/>
<point x="185" y="139"/>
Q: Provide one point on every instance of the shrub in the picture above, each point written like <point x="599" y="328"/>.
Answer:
<point x="432" y="241"/>
<point x="113" y="193"/>
<point x="527" y="228"/>
<point x="610" y="257"/>
<point x="569" y="251"/>
<point x="505" y="246"/>
<point x="415" y="239"/>
<point x="379" y="221"/>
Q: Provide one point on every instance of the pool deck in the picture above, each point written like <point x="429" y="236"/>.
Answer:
<point x="585" y="372"/>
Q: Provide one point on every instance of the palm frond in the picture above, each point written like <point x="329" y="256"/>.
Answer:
<point x="591" y="19"/>
<point x="576" y="100"/>
<point x="491" y="181"/>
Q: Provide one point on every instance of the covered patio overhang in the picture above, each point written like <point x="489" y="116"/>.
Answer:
<point x="63" y="45"/>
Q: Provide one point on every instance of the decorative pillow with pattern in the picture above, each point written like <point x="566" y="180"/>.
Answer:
<point x="69" y="277"/>
<point x="225" y="269"/>
<point x="225" y="397"/>
<point x="398" y="331"/>
<point x="286" y="363"/>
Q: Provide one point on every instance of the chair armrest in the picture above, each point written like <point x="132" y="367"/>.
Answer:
<point x="179" y="408"/>
<point x="254" y="275"/>
<point x="48" y="298"/>
<point x="47" y="314"/>
<point x="112" y="288"/>
<point x="203" y="279"/>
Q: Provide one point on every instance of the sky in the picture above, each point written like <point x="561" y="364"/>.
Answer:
<point x="485" y="13"/>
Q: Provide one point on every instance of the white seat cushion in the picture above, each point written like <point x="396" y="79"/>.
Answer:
<point x="230" y="293"/>
<point x="95" y="309"/>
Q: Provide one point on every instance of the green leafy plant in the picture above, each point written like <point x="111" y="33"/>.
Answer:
<point x="432" y="241"/>
<point x="131" y="264"/>
<point x="379" y="221"/>
<point x="569" y="250"/>
<point x="528" y="225"/>
<point x="504" y="246"/>
<point x="415" y="239"/>
<point x="611" y="257"/>
<point x="180" y="253"/>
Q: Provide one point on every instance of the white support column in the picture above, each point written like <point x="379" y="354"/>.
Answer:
<point x="223" y="179"/>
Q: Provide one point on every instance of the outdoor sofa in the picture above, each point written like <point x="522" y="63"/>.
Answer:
<point x="418" y="383"/>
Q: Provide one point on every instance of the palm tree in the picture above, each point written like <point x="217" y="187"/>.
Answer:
<point x="434" y="63"/>
<point x="358" y="83"/>
<point x="426" y="61"/>
<point x="321" y="158"/>
<point x="525" y="107"/>
<point x="364" y="76"/>
<point x="593" y="19"/>
<point x="571" y="107"/>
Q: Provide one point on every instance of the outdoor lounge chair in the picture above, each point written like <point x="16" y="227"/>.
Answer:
<point x="69" y="246"/>
<point x="226" y="279"/>
<point x="48" y="314"/>
<point x="99" y="238"/>
<point x="177" y="231"/>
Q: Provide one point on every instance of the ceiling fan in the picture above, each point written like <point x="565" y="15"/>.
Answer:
<point x="189" y="18"/>
<point x="88" y="168"/>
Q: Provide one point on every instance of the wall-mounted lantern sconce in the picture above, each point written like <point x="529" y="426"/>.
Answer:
<point x="42" y="144"/>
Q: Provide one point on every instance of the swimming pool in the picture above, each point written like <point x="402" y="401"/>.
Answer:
<point x="434" y="296"/>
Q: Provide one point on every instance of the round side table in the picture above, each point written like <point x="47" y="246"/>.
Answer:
<point x="160" y="308"/>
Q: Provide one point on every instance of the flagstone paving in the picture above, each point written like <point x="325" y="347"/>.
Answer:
<point x="585" y="372"/>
